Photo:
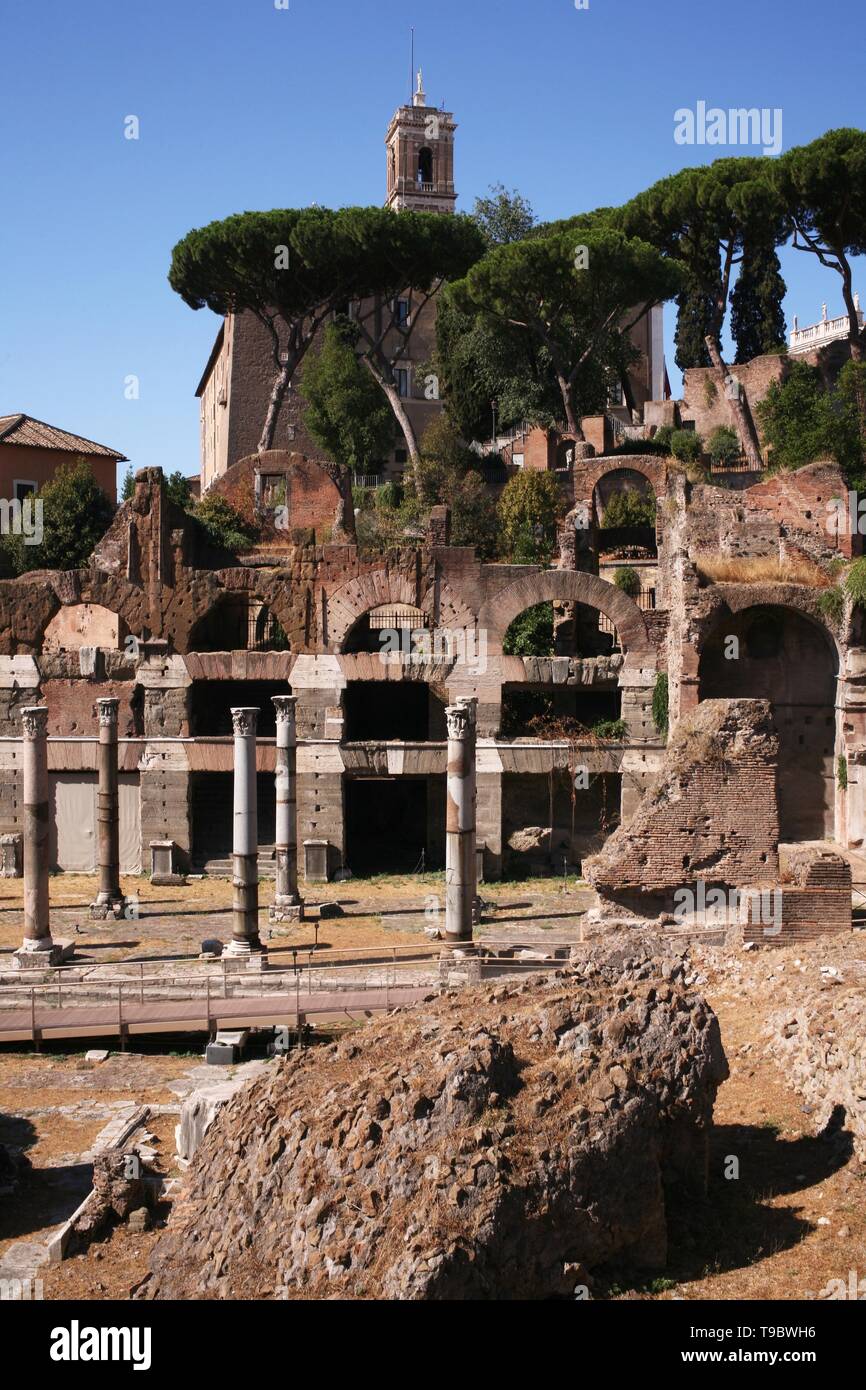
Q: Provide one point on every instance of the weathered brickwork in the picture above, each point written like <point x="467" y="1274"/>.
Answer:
<point x="710" y="815"/>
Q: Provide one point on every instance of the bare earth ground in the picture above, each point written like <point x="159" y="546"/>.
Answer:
<point x="758" y="1236"/>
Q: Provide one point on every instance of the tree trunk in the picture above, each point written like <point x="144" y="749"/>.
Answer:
<point x="400" y="415"/>
<point x="278" y="393"/>
<point x="740" y="416"/>
<point x="568" y="404"/>
<point x="853" y="322"/>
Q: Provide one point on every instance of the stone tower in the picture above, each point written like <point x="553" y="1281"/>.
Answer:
<point x="420" y="154"/>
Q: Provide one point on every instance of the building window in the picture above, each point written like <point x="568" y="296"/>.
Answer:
<point x="401" y="456"/>
<point x="614" y="393"/>
<point x="425" y="165"/>
<point x="401" y="312"/>
<point x="273" y="490"/>
<point x="23" y="487"/>
<point x="517" y="460"/>
<point x="401" y="381"/>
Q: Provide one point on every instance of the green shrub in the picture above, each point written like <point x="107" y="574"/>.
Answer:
<point x="662" y="437"/>
<point x="628" y="580"/>
<point x="528" y="510"/>
<point x="629" y="509"/>
<point x="686" y="445"/>
<point x="842" y="772"/>
<point x="610" y="728"/>
<point x="531" y="633"/>
<point x="832" y="604"/>
<point x="640" y="446"/>
<point x="223" y="526"/>
<point x="388" y="497"/>
<point x="76" y="515"/>
<point x="855" y="583"/>
<point x="723" y="446"/>
<point x="661" y="703"/>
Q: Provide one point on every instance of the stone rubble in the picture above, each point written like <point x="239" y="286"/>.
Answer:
<point x="498" y="1142"/>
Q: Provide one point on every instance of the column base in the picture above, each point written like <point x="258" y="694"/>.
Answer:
<point x="251" y="953"/>
<point x="460" y="946"/>
<point x="286" y="910"/>
<point x="41" y="954"/>
<point x="105" y="907"/>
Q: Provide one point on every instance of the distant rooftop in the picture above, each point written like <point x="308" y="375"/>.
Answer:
<point x="35" y="434"/>
<point x="827" y="330"/>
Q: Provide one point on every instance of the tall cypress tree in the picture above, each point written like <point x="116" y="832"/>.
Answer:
<point x="757" y="317"/>
<point x="696" y="311"/>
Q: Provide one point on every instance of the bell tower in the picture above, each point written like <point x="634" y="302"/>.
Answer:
<point x="420" y="153"/>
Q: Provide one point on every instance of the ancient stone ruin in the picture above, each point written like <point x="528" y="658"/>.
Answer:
<point x="372" y="651"/>
<point x="497" y="1151"/>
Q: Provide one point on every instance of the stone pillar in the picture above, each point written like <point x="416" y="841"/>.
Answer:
<point x="460" y="861"/>
<point x="38" y="948"/>
<point x="245" y="839"/>
<point x="110" y="901"/>
<point x="287" y="903"/>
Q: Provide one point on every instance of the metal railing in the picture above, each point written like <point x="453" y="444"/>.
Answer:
<point x="645" y="600"/>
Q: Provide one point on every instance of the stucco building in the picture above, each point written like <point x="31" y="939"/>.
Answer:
<point x="31" y="452"/>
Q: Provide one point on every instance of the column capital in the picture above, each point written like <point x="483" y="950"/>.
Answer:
<point x="285" y="706"/>
<point x="34" y="719"/>
<point x="106" y="709"/>
<point x="245" y="721"/>
<point x="460" y="721"/>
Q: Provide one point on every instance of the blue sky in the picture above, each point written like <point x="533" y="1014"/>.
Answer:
<point x="243" y="105"/>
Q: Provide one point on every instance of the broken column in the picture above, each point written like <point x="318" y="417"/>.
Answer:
<point x="110" y="901"/>
<point x="245" y="838"/>
<point x="38" y="948"/>
<point x="460" y="861"/>
<point x="288" y="906"/>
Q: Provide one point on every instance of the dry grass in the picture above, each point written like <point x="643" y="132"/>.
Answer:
<point x="761" y="569"/>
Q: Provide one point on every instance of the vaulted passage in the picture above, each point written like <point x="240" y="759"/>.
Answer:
<point x="379" y="711"/>
<point x="775" y="654"/>
<point x="213" y="701"/>
<point x="212" y="816"/>
<point x="547" y="826"/>
<point x="538" y="711"/>
<point x="395" y="824"/>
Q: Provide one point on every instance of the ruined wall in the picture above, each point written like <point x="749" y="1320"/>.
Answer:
<point x="711" y="814"/>
<point x="314" y="495"/>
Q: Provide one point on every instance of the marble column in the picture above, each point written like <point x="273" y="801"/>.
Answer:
<point x="109" y="901"/>
<point x="245" y="838"/>
<point x="288" y="906"/>
<point x="38" y="948"/>
<point x="460" y="863"/>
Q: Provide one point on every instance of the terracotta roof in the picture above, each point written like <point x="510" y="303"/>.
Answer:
<point x="23" y="429"/>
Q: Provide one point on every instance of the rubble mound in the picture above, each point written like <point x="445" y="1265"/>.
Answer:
<point x="817" y="1039"/>
<point x="494" y="1142"/>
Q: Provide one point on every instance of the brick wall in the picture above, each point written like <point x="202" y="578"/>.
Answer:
<point x="711" y="814"/>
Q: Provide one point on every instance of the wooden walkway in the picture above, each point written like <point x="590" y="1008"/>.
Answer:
<point x="38" y="1022"/>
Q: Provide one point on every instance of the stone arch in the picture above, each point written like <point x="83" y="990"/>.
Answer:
<point x="346" y="606"/>
<point x="591" y="472"/>
<point x="569" y="586"/>
<point x="605" y="487"/>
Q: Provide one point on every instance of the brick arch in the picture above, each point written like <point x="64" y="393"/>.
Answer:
<point x="569" y="586"/>
<point x="653" y="468"/>
<point x="735" y="599"/>
<point x="347" y="605"/>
